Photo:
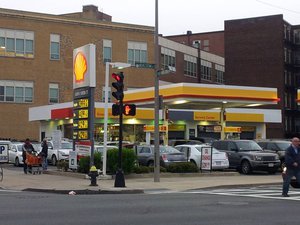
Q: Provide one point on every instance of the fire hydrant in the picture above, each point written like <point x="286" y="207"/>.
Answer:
<point x="93" y="174"/>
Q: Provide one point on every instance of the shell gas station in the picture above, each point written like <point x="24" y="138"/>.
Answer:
<point x="187" y="110"/>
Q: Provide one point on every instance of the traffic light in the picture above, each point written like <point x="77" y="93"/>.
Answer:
<point x="118" y="85"/>
<point x="115" y="109"/>
<point x="129" y="109"/>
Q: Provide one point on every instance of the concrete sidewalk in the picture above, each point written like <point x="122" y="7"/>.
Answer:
<point x="64" y="182"/>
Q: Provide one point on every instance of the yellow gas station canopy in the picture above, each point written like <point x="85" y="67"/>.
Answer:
<point x="203" y="96"/>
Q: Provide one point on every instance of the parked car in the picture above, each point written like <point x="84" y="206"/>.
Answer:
<point x="193" y="153"/>
<point x="15" y="153"/>
<point x="207" y="140"/>
<point x="247" y="156"/>
<point x="59" y="154"/>
<point x="276" y="146"/>
<point x="175" y="142"/>
<point x="99" y="148"/>
<point x="168" y="155"/>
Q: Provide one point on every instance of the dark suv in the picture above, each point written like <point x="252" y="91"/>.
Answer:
<point x="276" y="146"/>
<point x="247" y="156"/>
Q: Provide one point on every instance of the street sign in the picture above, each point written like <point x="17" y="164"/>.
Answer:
<point x="145" y="65"/>
<point x="4" y="153"/>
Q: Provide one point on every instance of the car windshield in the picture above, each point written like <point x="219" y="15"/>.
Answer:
<point x="248" y="146"/>
<point x="66" y="145"/>
<point x="168" y="149"/>
<point x="283" y="145"/>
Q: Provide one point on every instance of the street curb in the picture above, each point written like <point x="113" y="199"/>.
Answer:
<point x="86" y="191"/>
<point x="146" y="175"/>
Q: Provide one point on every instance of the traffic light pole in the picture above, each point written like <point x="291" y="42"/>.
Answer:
<point x="120" y="179"/>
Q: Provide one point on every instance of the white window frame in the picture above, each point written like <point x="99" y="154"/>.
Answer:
<point x="190" y="66"/>
<point x="53" y="87"/>
<point x="168" y="58"/>
<point x="54" y="39"/>
<point x="137" y="52"/>
<point x="15" y="38"/>
<point x="26" y="88"/>
<point x="206" y="70"/>
<point x="107" y="45"/>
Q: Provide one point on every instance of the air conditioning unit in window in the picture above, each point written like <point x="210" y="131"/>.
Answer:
<point x="197" y="43"/>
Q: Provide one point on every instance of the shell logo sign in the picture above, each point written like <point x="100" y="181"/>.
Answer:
<point x="84" y="66"/>
<point x="80" y="67"/>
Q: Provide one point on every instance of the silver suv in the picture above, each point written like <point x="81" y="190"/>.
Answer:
<point x="247" y="156"/>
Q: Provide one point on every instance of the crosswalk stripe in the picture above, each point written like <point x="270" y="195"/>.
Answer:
<point x="257" y="192"/>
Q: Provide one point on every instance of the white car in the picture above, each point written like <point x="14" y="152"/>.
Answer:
<point x="193" y="152"/>
<point x="62" y="153"/>
<point x="15" y="153"/>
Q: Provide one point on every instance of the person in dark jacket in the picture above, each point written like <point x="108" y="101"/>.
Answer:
<point x="27" y="147"/>
<point x="292" y="161"/>
<point x="44" y="154"/>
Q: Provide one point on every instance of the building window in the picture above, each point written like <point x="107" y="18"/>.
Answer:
<point x="16" y="43"/>
<point x="107" y="46"/>
<point x="54" y="46"/>
<point x="206" y="45"/>
<point x="296" y="37"/>
<point x="53" y="93"/>
<point x="167" y="59"/>
<point x="219" y="73"/>
<point x="137" y="52"/>
<point x="205" y="70"/>
<point x="190" y="65"/>
<point x="16" y="91"/>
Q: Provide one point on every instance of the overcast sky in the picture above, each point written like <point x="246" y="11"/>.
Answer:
<point x="175" y="16"/>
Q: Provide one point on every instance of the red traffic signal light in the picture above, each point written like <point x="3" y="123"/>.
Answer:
<point x="129" y="109"/>
<point x="118" y="85"/>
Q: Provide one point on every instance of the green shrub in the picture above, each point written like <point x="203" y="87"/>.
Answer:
<point x="184" y="167"/>
<point x="128" y="160"/>
<point x="162" y="169"/>
<point x="84" y="163"/>
<point x="63" y="165"/>
<point x="141" y="169"/>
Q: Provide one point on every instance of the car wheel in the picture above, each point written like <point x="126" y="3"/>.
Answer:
<point x="245" y="167"/>
<point x="54" y="160"/>
<point x="17" y="162"/>
<point x="151" y="163"/>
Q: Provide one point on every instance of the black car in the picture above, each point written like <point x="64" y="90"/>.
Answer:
<point x="276" y="146"/>
<point x="247" y="156"/>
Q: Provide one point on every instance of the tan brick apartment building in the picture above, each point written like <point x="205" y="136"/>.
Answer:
<point x="262" y="51"/>
<point x="36" y="60"/>
<point x="36" y="63"/>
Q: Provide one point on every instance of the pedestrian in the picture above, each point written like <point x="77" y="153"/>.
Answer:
<point x="292" y="162"/>
<point x="44" y="154"/>
<point x="27" y="148"/>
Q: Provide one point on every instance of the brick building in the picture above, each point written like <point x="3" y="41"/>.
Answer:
<point x="265" y="51"/>
<point x="37" y="66"/>
<point x="36" y="60"/>
<point x="262" y="51"/>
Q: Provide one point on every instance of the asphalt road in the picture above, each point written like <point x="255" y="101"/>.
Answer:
<point x="198" y="207"/>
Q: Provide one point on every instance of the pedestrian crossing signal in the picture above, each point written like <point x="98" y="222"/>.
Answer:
<point x="129" y="109"/>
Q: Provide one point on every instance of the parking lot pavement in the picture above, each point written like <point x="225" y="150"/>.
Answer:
<point x="15" y="179"/>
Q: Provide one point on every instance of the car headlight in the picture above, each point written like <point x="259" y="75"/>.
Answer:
<point x="258" y="158"/>
<point x="277" y="157"/>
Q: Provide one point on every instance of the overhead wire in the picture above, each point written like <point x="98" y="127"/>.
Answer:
<point x="278" y="7"/>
